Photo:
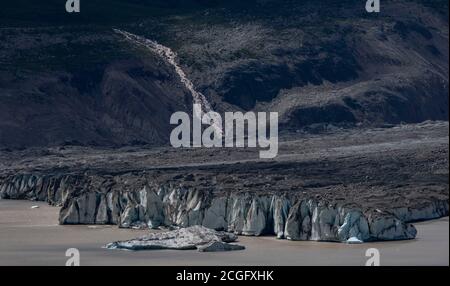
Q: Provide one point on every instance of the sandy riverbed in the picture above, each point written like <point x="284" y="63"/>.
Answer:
<point x="33" y="237"/>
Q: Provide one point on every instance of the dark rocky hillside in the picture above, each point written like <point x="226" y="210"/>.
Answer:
<point x="69" y="79"/>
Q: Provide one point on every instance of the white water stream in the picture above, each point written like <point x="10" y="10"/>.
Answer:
<point x="170" y="57"/>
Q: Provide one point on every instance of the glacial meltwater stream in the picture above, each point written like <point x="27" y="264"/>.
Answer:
<point x="170" y="57"/>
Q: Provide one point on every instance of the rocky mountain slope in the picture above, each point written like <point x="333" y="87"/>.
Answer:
<point x="69" y="79"/>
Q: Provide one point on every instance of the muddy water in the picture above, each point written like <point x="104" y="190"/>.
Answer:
<point x="33" y="237"/>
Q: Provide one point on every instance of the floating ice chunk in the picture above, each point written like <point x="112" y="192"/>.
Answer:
<point x="354" y="240"/>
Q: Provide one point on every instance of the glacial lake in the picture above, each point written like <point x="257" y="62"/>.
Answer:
<point x="32" y="236"/>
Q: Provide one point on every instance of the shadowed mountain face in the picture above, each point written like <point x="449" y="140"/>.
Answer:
<point x="68" y="78"/>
